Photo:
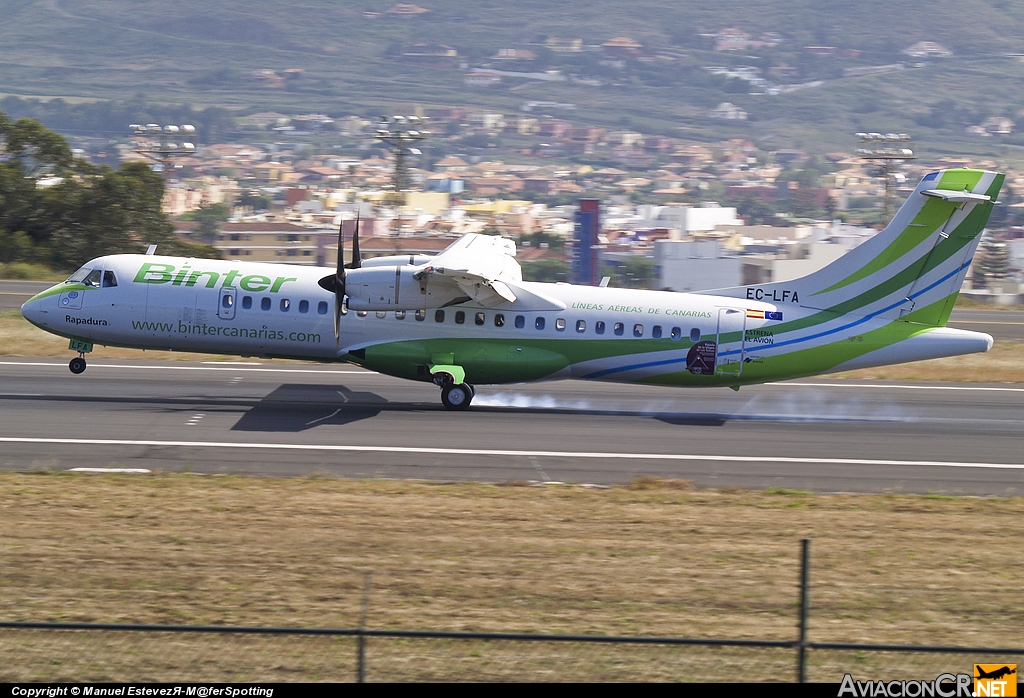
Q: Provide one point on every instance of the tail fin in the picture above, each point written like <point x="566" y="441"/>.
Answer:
<point x="911" y="270"/>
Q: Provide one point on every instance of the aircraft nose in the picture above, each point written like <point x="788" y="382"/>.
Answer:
<point x="32" y="309"/>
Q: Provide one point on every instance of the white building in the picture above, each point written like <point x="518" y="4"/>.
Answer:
<point x="685" y="265"/>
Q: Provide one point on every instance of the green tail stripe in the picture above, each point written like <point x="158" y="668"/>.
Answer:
<point x="932" y="215"/>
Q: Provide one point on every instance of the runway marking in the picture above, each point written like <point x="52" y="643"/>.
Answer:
<point x="982" y="322"/>
<point x="234" y="363"/>
<point x="138" y="471"/>
<point x="193" y="368"/>
<point x="978" y="388"/>
<point x="195" y="419"/>
<point x="420" y="450"/>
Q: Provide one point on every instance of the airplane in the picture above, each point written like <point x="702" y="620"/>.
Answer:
<point x="465" y="317"/>
<point x="996" y="674"/>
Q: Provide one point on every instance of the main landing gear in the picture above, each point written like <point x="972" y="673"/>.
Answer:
<point x="77" y="364"/>
<point x="454" y="397"/>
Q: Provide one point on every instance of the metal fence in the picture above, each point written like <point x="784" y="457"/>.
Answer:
<point x="55" y="652"/>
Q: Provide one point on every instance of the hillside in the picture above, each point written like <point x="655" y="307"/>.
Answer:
<point x="344" y="59"/>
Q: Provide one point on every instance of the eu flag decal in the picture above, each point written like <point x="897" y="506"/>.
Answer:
<point x="772" y="315"/>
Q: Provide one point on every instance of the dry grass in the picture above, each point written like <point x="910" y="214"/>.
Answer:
<point x="654" y="558"/>
<point x="18" y="337"/>
<point x="1004" y="363"/>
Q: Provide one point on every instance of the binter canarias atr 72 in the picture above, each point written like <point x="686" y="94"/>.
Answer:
<point x="465" y="317"/>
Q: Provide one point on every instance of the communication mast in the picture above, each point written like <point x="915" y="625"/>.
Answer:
<point x="887" y="150"/>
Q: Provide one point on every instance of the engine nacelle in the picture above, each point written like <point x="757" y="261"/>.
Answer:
<point x="398" y="260"/>
<point x="394" y="288"/>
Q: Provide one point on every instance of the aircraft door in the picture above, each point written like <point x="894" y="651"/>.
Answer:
<point x="226" y="303"/>
<point x="732" y="325"/>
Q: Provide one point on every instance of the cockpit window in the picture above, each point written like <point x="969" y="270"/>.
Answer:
<point x="79" y="275"/>
<point x="93" y="278"/>
<point x="109" y="279"/>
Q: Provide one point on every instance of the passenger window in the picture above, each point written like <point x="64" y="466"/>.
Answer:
<point x="93" y="279"/>
<point x="303" y="306"/>
<point x="638" y="330"/>
<point x="109" y="279"/>
<point x="247" y="302"/>
<point x="539" y="323"/>
<point x="677" y="333"/>
<point x="581" y="325"/>
<point x="321" y="307"/>
<point x="599" y="327"/>
<point x="381" y="314"/>
<point x="361" y="313"/>
<point x="479" y="318"/>
<point x="460" y="317"/>
<point x="421" y="315"/>
<point x="227" y="301"/>
<point x="619" y="328"/>
<point x="499" y="320"/>
<point x="399" y="314"/>
<point x="520" y="322"/>
<point x="439" y="316"/>
<point x="695" y="334"/>
<point x="265" y="303"/>
<point x="656" y="331"/>
<point x="286" y="305"/>
<point x="560" y="324"/>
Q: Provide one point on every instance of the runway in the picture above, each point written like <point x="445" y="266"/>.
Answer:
<point x="270" y="418"/>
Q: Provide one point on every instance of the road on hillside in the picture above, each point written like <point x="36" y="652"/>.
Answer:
<point x="269" y="418"/>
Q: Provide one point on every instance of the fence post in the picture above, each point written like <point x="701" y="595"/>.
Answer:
<point x="801" y="657"/>
<point x="361" y="638"/>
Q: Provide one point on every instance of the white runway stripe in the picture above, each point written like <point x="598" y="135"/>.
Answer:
<point x="978" y="388"/>
<point x="229" y="367"/>
<point x="426" y="450"/>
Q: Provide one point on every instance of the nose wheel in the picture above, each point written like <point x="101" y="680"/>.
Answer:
<point x="77" y="365"/>
<point x="457" y="397"/>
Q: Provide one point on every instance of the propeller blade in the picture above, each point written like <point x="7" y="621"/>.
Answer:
<point x="339" y="281"/>
<point x="356" y="259"/>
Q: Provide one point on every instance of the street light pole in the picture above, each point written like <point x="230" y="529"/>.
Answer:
<point x="161" y="142"/>
<point x="887" y="150"/>
<point x="400" y="134"/>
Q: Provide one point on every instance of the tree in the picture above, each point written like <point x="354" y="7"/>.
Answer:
<point x="210" y="217"/>
<point x="62" y="211"/>
<point x="546" y="270"/>
<point x="992" y="264"/>
<point x="637" y="272"/>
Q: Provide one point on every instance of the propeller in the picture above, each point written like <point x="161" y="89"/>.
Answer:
<point x="337" y="282"/>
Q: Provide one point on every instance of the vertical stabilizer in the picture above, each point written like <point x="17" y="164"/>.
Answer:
<point x="911" y="270"/>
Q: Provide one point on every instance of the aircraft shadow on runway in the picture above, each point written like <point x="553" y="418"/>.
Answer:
<point x="298" y="407"/>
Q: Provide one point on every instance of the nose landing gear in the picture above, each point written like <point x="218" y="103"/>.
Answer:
<point x="77" y="364"/>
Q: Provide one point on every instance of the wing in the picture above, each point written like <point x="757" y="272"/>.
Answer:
<point x="482" y="266"/>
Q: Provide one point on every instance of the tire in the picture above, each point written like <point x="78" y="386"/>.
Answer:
<point x="77" y="365"/>
<point x="456" y="397"/>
